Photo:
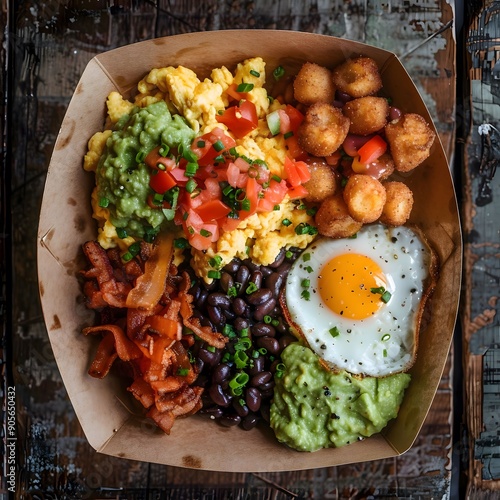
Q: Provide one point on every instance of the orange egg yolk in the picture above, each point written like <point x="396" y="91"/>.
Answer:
<point x="345" y="284"/>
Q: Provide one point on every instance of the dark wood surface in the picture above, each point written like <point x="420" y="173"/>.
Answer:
<point x="47" y="47"/>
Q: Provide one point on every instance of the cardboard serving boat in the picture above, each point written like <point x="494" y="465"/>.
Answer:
<point x="112" y="422"/>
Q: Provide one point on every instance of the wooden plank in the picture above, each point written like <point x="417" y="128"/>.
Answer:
<point x="52" y="44"/>
<point x="481" y="326"/>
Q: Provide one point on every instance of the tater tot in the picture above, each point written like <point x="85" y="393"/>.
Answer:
<point x="398" y="204"/>
<point x="333" y="220"/>
<point x="410" y="139"/>
<point x="367" y="114"/>
<point x="365" y="198"/>
<point x="313" y="83"/>
<point x="323" y="130"/>
<point x="357" y="77"/>
<point x="322" y="182"/>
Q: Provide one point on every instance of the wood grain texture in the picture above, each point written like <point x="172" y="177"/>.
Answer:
<point x="51" y="43"/>
<point x="481" y="325"/>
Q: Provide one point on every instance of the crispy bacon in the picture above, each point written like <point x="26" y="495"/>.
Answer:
<point x="146" y="306"/>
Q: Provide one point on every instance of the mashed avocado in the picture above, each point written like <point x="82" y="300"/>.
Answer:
<point x="122" y="181"/>
<point x="314" y="408"/>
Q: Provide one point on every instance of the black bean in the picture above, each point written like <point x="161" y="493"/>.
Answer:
<point x="261" y="329"/>
<point x="214" y="411"/>
<point x="259" y="297"/>
<point x="265" y="410"/>
<point x="206" y="322"/>
<point x="286" y="340"/>
<point x="229" y="315"/>
<point x="215" y="315"/>
<point x="256" y="278"/>
<point x="219" y="299"/>
<point x="210" y="286"/>
<point x="221" y="373"/>
<point x="281" y="326"/>
<point x="219" y="397"/>
<point x="265" y="388"/>
<point x="195" y="292"/>
<point x="250" y="421"/>
<point x="266" y="271"/>
<point x="274" y="282"/>
<point x="253" y="398"/>
<point x="284" y="268"/>
<point x="269" y="343"/>
<point x="242" y="277"/>
<point x="258" y="365"/>
<point x="233" y="266"/>
<point x="241" y="409"/>
<point x="279" y="258"/>
<point x="239" y="306"/>
<point x="199" y="364"/>
<point x="241" y="324"/>
<point x="261" y="378"/>
<point x="208" y="357"/>
<point x="226" y="281"/>
<point x="201" y="299"/>
<point x="230" y="420"/>
<point x="267" y="394"/>
<point x="264" y="309"/>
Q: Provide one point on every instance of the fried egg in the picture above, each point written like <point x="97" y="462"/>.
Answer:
<point x="358" y="301"/>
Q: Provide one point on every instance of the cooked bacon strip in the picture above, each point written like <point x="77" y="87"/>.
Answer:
<point x="143" y="392"/>
<point x="169" y="384"/>
<point x="179" y="399"/>
<point x="150" y="286"/>
<point x="125" y="348"/>
<point x="104" y="358"/>
<point x="94" y="296"/>
<point x="164" y="421"/>
<point x="113" y="292"/>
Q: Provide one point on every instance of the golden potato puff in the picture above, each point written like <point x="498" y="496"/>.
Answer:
<point x="323" y="130"/>
<point x="410" y="139"/>
<point x="367" y="114"/>
<point x="398" y="204"/>
<point x="365" y="198"/>
<point x="333" y="219"/>
<point x="313" y="83"/>
<point x="322" y="183"/>
<point x="358" y="77"/>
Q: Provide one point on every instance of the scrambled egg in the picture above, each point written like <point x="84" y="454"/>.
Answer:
<point x="262" y="235"/>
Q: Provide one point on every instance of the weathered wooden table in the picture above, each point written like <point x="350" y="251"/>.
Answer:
<point x="46" y="47"/>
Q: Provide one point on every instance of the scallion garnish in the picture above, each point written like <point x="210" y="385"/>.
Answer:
<point x="244" y="87"/>
<point x="181" y="243"/>
<point x="205" y="233"/>
<point x="103" y="202"/>
<point x="214" y="274"/>
<point x="334" y="332"/>
<point x="286" y="222"/>
<point x="254" y="73"/>
<point x="278" y="72"/>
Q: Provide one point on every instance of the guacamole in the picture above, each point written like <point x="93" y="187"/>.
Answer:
<point x="314" y="408"/>
<point x="123" y="179"/>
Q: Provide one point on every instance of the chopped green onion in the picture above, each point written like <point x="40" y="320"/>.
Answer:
<point x="275" y="322"/>
<point x="149" y="234"/>
<point x="121" y="232"/>
<point x="214" y="274"/>
<point x="306" y="283"/>
<point x="386" y="296"/>
<point x="286" y="222"/>
<point x="127" y="256"/>
<point x="191" y="185"/>
<point x="103" y="202"/>
<point x="227" y="357"/>
<point x="210" y="348"/>
<point x="288" y="254"/>
<point x="228" y="331"/>
<point x="309" y="269"/>
<point x="252" y="287"/>
<point x="140" y="156"/>
<point x="245" y="204"/>
<point x="244" y="87"/>
<point x="276" y="208"/>
<point x="183" y="371"/>
<point x="304" y="228"/>
<point x="334" y="332"/>
<point x="181" y="243"/>
<point x="244" y="332"/>
<point x="240" y="359"/>
<point x="254" y="73"/>
<point x="263" y="351"/>
<point x="267" y="319"/>
<point x="279" y="72"/>
<point x="191" y="169"/>
<point x="306" y="294"/>
<point x="276" y="178"/>
<point x="201" y="143"/>
<point x="232" y="291"/>
<point x="218" y="146"/>
<point x="205" y="233"/>
<point x="157" y="199"/>
<point x="312" y="211"/>
<point x="288" y="134"/>
<point x="243" y="344"/>
<point x="189" y="155"/>
<point x="385" y="337"/>
<point x="239" y="380"/>
<point x="215" y="261"/>
<point x="384" y="352"/>
<point x="164" y="150"/>
<point x="306" y="257"/>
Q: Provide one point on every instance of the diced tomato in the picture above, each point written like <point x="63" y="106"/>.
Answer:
<point x="232" y="92"/>
<point x="241" y="119"/>
<point x="204" y="237"/>
<point x="229" y="224"/>
<point x="252" y="189"/>
<point x="265" y="205"/>
<point x="276" y="191"/>
<point x="372" y="150"/>
<point x="294" y="149"/>
<point x="233" y="174"/>
<point x="284" y="121"/>
<point x="303" y="171"/>
<point x="161" y="181"/>
<point x="297" y="192"/>
<point x="179" y="175"/>
<point x="212" y="186"/>
<point x="295" y="117"/>
<point x="154" y="159"/>
<point x="213" y="210"/>
<point x="203" y="146"/>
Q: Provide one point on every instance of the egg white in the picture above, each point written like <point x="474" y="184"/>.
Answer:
<point x="383" y="343"/>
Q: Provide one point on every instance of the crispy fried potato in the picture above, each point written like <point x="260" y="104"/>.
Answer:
<point x="365" y="198"/>
<point x="398" y="204"/>
<point x="323" y="130"/>
<point x="313" y="83"/>
<point x="322" y="182"/>
<point x="358" y="77"/>
<point x="333" y="220"/>
<point x="410" y="139"/>
<point x="367" y="114"/>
